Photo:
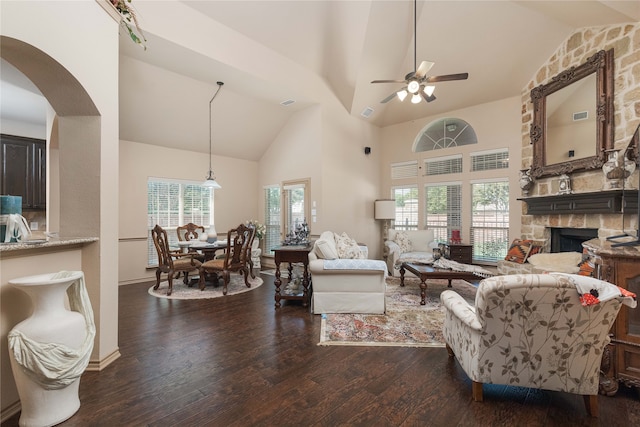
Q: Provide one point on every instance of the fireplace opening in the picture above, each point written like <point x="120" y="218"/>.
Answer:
<point x="570" y="239"/>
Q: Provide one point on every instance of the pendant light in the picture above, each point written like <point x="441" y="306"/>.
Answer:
<point x="211" y="179"/>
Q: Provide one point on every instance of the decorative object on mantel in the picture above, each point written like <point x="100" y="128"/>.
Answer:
<point x="564" y="184"/>
<point x="128" y="16"/>
<point x="526" y="181"/>
<point x="299" y="236"/>
<point x="211" y="179"/>
<point x="616" y="169"/>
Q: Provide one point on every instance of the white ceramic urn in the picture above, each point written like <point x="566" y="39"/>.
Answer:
<point x="50" y="322"/>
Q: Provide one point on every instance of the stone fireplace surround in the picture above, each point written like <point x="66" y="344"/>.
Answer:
<point x="625" y="40"/>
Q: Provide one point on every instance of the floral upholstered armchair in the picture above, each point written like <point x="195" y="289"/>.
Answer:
<point x="544" y="331"/>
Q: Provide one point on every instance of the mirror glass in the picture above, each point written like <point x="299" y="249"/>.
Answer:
<point x="572" y="118"/>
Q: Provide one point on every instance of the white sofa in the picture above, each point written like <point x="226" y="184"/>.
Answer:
<point x="419" y="249"/>
<point x="559" y="262"/>
<point x="345" y="285"/>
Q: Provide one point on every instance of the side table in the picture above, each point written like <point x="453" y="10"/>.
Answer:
<point x="460" y="252"/>
<point x="293" y="254"/>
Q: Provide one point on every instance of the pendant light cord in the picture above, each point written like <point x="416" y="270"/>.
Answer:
<point x="214" y="97"/>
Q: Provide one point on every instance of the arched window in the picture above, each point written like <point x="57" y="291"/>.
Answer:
<point x="444" y="133"/>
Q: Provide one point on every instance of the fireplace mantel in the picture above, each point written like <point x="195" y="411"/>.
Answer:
<point x="601" y="202"/>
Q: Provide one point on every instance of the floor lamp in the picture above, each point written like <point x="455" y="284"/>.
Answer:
<point x="385" y="209"/>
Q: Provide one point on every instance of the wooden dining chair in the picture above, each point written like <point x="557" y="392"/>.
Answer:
<point x="189" y="231"/>
<point x="171" y="262"/>
<point x="237" y="258"/>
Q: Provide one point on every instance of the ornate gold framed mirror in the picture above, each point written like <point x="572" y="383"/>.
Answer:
<point x="573" y="118"/>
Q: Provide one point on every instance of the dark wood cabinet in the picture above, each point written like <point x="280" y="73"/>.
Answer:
<point x="621" y="360"/>
<point x="460" y="252"/>
<point x="23" y="170"/>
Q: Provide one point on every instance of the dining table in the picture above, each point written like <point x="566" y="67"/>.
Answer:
<point x="207" y="249"/>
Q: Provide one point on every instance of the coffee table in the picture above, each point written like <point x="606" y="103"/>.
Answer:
<point x="425" y="272"/>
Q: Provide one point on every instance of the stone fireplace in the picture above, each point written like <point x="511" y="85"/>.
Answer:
<point x="539" y="224"/>
<point x="567" y="239"/>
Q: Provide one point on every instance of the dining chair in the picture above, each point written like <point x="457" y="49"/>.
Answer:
<point x="171" y="262"/>
<point x="189" y="231"/>
<point x="237" y="258"/>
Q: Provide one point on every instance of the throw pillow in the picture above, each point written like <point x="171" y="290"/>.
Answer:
<point x="587" y="266"/>
<point x="420" y="240"/>
<point x="326" y="249"/>
<point x="347" y="247"/>
<point x="518" y="251"/>
<point x="402" y="239"/>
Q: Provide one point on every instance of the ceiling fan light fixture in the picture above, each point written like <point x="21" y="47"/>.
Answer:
<point x="402" y="94"/>
<point x="428" y="90"/>
<point x="413" y="86"/>
<point x="416" y="98"/>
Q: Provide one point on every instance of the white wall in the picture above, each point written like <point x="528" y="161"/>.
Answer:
<point x="60" y="47"/>
<point x="496" y="124"/>
<point x="236" y="202"/>
<point x="20" y="128"/>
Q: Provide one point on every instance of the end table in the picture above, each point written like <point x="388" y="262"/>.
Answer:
<point x="293" y="254"/>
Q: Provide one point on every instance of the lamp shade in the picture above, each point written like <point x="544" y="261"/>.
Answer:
<point x="385" y="209"/>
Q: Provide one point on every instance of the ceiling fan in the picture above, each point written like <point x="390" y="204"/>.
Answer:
<point x="417" y="80"/>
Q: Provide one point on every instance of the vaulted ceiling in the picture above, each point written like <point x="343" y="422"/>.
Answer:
<point x="315" y="51"/>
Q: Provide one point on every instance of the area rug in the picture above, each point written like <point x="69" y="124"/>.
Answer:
<point x="181" y="291"/>
<point x="406" y="323"/>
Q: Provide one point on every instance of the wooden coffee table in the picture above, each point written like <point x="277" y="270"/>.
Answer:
<point x="425" y="272"/>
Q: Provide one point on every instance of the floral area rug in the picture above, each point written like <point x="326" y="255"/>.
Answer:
<point x="406" y="322"/>
<point x="181" y="291"/>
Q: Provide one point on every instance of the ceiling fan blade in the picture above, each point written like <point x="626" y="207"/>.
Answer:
<point x="423" y="69"/>
<point x="447" y="78"/>
<point x="388" y="98"/>
<point x="387" y="81"/>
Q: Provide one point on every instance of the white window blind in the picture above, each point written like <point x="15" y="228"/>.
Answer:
<point x="272" y="218"/>
<point x="490" y="220"/>
<point x="171" y="203"/>
<point x="443" y="209"/>
<point x="404" y="170"/>
<point x="443" y="165"/>
<point x="489" y="160"/>
<point x="406" y="207"/>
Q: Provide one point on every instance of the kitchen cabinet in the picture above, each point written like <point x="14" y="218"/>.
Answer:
<point x="23" y="170"/>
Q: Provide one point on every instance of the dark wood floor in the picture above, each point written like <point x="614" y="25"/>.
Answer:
<point x="236" y="361"/>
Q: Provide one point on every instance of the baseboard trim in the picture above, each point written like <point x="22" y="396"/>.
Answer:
<point x="99" y="365"/>
<point x="10" y="411"/>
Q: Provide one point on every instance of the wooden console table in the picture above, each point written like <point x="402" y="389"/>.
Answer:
<point x="460" y="252"/>
<point x="293" y="254"/>
<point x="621" y="358"/>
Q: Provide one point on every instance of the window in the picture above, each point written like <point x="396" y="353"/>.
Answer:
<point x="490" y="220"/>
<point x="171" y="203"/>
<point x="404" y="170"/>
<point x="406" y="207"/>
<point x="272" y="224"/>
<point x="488" y="160"/>
<point x="443" y="165"/>
<point x="442" y="209"/>
<point x="444" y="133"/>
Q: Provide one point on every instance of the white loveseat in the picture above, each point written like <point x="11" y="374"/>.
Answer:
<point x="343" y="280"/>
<point x="419" y="248"/>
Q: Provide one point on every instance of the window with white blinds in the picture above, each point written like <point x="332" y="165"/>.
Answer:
<point x="443" y="209"/>
<point x="272" y="218"/>
<point x="489" y="160"/>
<point x="171" y="203"/>
<point x="404" y="170"/>
<point x="443" y="165"/>
<point x="490" y="220"/>
<point x="406" y="207"/>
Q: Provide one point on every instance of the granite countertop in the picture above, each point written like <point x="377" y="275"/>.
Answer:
<point x="50" y="243"/>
